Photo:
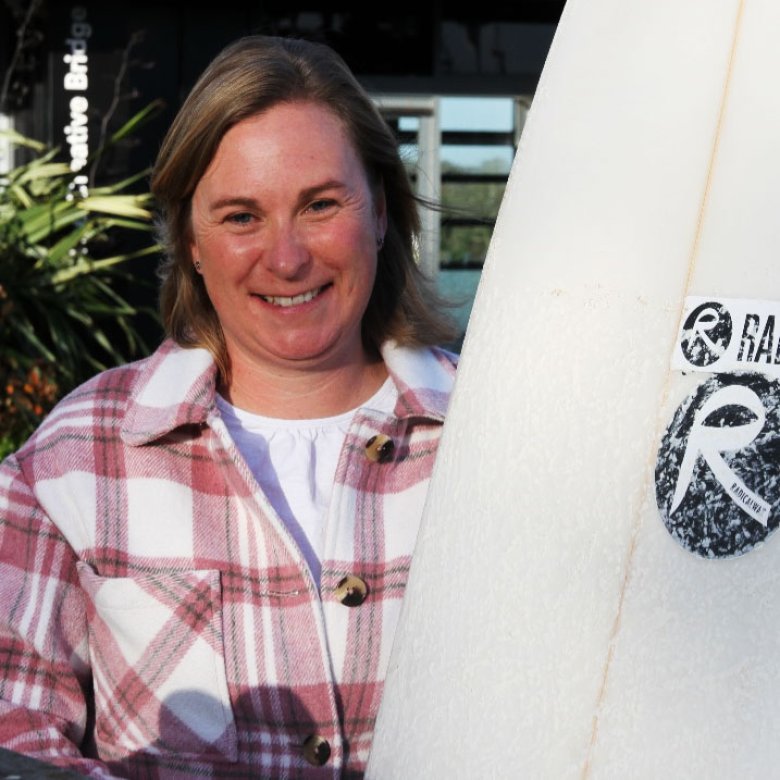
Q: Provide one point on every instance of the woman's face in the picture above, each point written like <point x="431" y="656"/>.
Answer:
<point x="285" y="228"/>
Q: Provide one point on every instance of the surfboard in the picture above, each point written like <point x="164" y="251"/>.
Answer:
<point x="594" y="592"/>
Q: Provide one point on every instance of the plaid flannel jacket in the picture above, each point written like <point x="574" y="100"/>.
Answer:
<point x="156" y="618"/>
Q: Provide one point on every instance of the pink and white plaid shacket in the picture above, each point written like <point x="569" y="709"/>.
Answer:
<point x="156" y="617"/>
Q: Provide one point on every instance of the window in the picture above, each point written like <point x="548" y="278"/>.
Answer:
<point x="459" y="151"/>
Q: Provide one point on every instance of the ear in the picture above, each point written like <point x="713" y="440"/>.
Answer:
<point x="380" y="208"/>
<point x="194" y="255"/>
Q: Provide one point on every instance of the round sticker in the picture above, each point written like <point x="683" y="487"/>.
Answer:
<point x="717" y="476"/>
<point x="706" y="334"/>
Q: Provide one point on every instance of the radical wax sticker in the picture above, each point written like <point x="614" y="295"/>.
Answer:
<point x="717" y="475"/>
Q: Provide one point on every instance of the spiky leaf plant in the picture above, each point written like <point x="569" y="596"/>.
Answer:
<point x="62" y="317"/>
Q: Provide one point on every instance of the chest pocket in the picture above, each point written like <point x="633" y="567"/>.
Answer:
<point x="158" y="664"/>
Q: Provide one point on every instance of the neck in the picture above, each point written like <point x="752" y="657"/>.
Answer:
<point x="304" y="393"/>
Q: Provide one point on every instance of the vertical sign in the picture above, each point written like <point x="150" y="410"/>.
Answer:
<point x="75" y="83"/>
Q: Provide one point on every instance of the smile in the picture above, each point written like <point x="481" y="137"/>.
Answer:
<point x="295" y="300"/>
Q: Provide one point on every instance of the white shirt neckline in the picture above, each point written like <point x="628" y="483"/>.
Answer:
<point x="295" y="462"/>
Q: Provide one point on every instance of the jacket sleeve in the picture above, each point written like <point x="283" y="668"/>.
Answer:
<point x="44" y="670"/>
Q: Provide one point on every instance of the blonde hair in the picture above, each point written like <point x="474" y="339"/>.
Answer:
<point x="249" y="77"/>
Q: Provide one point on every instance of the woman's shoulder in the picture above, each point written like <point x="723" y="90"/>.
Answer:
<point x="419" y="365"/>
<point x="99" y="406"/>
<point x="108" y="389"/>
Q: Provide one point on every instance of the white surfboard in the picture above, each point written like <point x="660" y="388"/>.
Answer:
<point x="596" y="587"/>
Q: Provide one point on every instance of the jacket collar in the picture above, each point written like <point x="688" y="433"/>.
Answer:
<point x="177" y="386"/>
<point x="424" y="379"/>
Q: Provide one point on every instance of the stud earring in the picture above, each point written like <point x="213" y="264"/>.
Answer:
<point x="197" y="265"/>
<point x="380" y="242"/>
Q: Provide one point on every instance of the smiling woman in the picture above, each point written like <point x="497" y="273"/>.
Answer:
<point x="244" y="82"/>
<point x="225" y="529"/>
<point x="285" y="228"/>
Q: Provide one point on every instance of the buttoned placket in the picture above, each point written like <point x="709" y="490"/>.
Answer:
<point x="315" y="749"/>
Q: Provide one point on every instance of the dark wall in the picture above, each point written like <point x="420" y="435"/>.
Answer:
<point x="161" y="47"/>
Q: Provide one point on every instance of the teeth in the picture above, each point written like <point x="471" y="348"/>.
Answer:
<point x="283" y="300"/>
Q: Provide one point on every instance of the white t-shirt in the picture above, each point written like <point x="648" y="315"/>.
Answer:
<point x="294" y="462"/>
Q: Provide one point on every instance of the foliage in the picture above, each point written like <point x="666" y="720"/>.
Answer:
<point x="477" y="202"/>
<point x="62" y="317"/>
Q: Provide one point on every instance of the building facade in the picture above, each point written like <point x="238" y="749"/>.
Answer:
<point x="454" y="84"/>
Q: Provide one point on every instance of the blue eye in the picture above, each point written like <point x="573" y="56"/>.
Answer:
<point x="321" y="205"/>
<point x="243" y="218"/>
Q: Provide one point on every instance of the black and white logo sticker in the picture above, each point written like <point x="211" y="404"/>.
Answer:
<point x="726" y="335"/>
<point x="717" y="476"/>
<point x="706" y="334"/>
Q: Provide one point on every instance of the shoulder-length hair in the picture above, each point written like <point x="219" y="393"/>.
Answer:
<point x="246" y="78"/>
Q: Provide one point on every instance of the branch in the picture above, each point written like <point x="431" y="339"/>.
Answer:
<point x="21" y="35"/>
<point x="135" y="39"/>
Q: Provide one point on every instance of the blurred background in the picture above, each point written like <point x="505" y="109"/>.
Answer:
<point x="455" y="85"/>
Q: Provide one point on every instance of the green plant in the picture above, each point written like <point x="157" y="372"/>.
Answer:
<point x="62" y="317"/>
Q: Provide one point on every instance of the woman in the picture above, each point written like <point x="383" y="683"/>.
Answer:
<point x="203" y="554"/>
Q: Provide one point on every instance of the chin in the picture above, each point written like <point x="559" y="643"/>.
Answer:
<point x="308" y="352"/>
<point x="320" y="349"/>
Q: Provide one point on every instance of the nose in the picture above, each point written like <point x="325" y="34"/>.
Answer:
<point x="286" y="254"/>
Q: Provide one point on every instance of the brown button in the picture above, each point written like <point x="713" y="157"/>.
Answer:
<point x="380" y="448"/>
<point x="351" y="591"/>
<point x="316" y="750"/>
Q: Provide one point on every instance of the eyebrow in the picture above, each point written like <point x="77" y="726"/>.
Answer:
<point x="235" y="201"/>
<point x="311" y="192"/>
<point x="251" y="203"/>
